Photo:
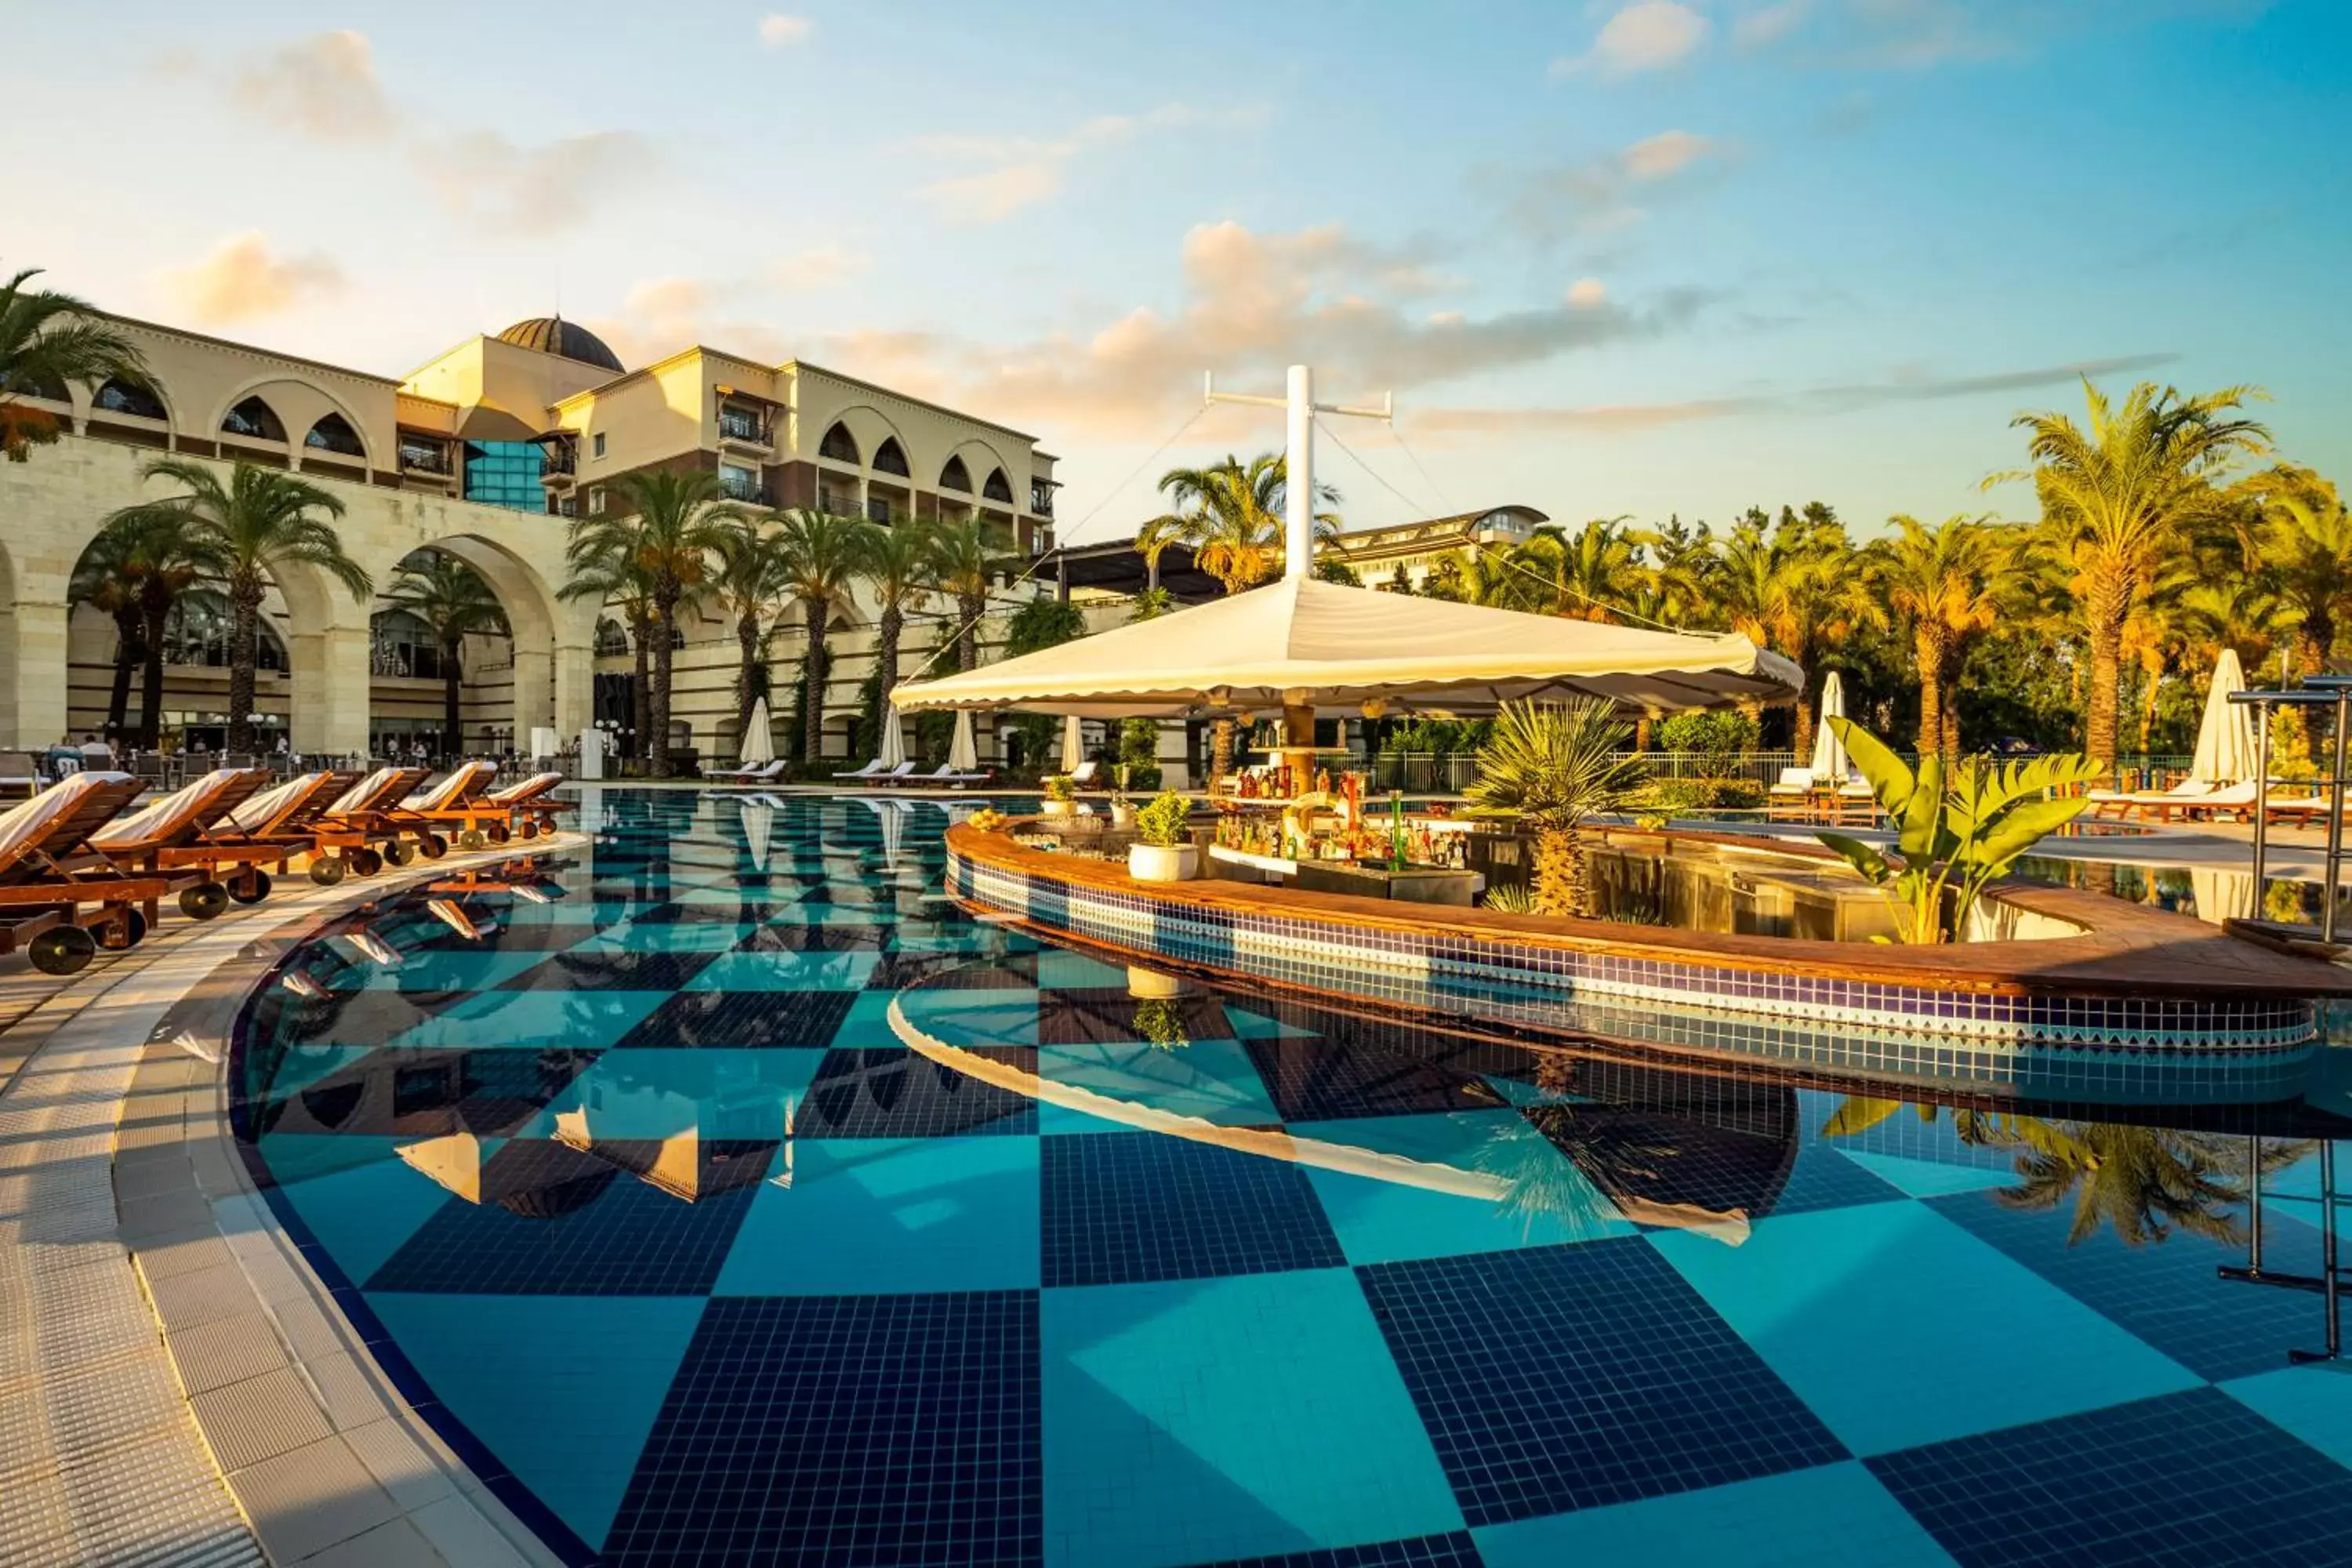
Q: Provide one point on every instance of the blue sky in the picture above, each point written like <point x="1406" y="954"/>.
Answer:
<point x="1623" y="258"/>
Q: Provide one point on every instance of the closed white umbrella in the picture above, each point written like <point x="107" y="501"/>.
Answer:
<point x="759" y="832"/>
<point x="1074" y="742"/>
<point x="890" y="749"/>
<point x="758" y="745"/>
<point x="2225" y="737"/>
<point x="963" y="754"/>
<point x="1830" y="761"/>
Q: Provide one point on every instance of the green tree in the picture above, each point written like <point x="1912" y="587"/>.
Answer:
<point x="453" y="602"/>
<point x="1588" y="575"/>
<point x="1683" y="564"/>
<point x="620" y="580"/>
<point x="1945" y="582"/>
<point x="820" y="557"/>
<point x="902" y="568"/>
<point x="1041" y="623"/>
<point x="48" y="340"/>
<point x="965" y="559"/>
<point x="1551" y="766"/>
<point x="666" y="528"/>
<point x="1792" y="587"/>
<point x="251" y="530"/>
<point x="2118" y="494"/>
<point x="105" y="578"/>
<point x="748" y="583"/>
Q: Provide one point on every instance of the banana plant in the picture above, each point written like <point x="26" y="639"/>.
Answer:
<point x="1955" y="830"/>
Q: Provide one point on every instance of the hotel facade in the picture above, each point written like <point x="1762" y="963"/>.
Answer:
<point x="486" y="453"/>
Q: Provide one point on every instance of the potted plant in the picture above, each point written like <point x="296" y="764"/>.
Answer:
<point x="1122" y="810"/>
<point x="1061" y="794"/>
<point x="1166" y="853"/>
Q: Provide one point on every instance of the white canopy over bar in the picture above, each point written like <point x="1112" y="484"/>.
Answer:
<point x="1344" y="651"/>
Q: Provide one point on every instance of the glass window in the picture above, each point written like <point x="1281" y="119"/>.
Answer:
<point x="612" y="637"/>
<point x="877" y="510"/>
<point x="1041" y="497"/>
<point x="596" y="500"/>
<point x="424" y="454"/>
<point x="255" y="420"/>
<point x="505" y="473"/>
<point x="838" y="444"/>
<point x="739" y="482"/>
<point x="597" y="443"/>
<point x="738" y="423"/>
<point x="121" y="398"/>
<point x="998" y="487"/>
<point x="955" y="476"/>
<point x="890" y="458"/>
<point x="399" y="644"/>
<point x="198" y="633"/>
<point x="333" y="433"/>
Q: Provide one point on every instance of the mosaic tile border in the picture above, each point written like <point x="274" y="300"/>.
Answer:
<point x="2106" y="1048"/>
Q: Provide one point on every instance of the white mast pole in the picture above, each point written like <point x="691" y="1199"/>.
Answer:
<point x="1299" y="490"/>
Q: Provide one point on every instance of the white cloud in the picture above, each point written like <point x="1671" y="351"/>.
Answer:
<point x="324" y="87"/>
<point x="1646" y="36"/>
<point x="819" y="267"/>
<point x="1604" y="195"/>
<point x="534" y="190"/>
<point x="1767" y="24"/>
<point x="1022" y="171"/>
<point x="1586" y="293"/>
<point x="779" y="31"/>
<point x="1668" y="153"/>
<point x="241" y="278"/>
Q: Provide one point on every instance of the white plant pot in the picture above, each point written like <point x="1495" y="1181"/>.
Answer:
<point x="1059" y="808"/>
<point x="1151" y="985"/>
<point x="1122" y="816"/>
<point x="1162" y="862"/>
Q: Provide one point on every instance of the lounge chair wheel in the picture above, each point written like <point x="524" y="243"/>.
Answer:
<point x="205" y="901"/>
<point x="434" y="846"/>
<point x="65" y="950"/>
<point x="326" y="872"/>
<point x="498" y="832"/>
<point x="530" y="830"/>
<point x="471" y="838"/>
<point x="252" y="888"/>
<point x="399" y="851"/>
<point x="366" y="862"/>
<point x="125" y="931"/>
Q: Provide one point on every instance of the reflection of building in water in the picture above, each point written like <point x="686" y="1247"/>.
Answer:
<point x="429" y="1093"/>
<point x="541" y="1179"/>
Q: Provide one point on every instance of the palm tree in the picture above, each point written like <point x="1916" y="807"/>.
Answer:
<point x="1588" y="575"/>
<point x="250" y="529"/>
<point x="2306" y="554"/>
<point x="2142" y="1181"/>
<point x="47" y="339"/>
<point x="902" y="568"/>
<point x="1790" y="589"/>
<point x="1551" y="767"/>
<point x="1684" y="566"/>
<point x="964" y="559"/>
<point x="622" y="582"/>
<point x="819" y="556"/>
<point x="2119" y="493"/>
<point x="105" y="578"/>
<point x="668" y="524"/>
<point x="172" y="556"/>
<point x="748" y="585"/>
<point x="1946" y="582"/>
<point x="453" y="602"/>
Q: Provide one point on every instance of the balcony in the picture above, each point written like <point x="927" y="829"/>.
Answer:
<point x="427" y="459"/>
<point x="744" y="430"/>
<point x="559" y="464"/>
<point x="1041" y="497"/>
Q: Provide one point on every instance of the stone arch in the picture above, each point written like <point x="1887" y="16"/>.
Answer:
<point x="132" y="394"/>
<point x="552" y="639"/>
<point x="996" y="487"/>
<point x="839" y="444"/>
<point x="302" y="390"/>
<point x="868" y="426"/>
<point x="330" y="432"/>
<point x="954" y="474"/>
<point x="890" y="458"/>
<point x="254" y="419"/>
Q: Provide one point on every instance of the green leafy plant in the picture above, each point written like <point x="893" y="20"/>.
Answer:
<point x="1548" y="766"/>
<point x="1721" y="736"/>
<point x="1159" y="1021"/>
<point x="1061" y="787"/>
<point x="1957" y="831"/>
<point x="1164" y="822"/>
<point x="1511" y="899"/>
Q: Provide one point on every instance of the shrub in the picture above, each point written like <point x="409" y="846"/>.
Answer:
<point x="1061" y="787"/>
<point x="1164" y="821"/>
<point x="1721" y="737"/>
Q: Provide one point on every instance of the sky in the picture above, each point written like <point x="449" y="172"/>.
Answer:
<point x="1630" y="258"/>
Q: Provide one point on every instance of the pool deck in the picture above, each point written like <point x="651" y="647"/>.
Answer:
<point x="175" y="1385"/>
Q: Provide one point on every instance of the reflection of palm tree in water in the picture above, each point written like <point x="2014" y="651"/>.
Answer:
<point x="2144" y="1182"/>
<point x="1585" y="1154"/>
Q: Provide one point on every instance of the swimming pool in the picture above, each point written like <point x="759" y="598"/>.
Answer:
<point x="631" y="1182"/>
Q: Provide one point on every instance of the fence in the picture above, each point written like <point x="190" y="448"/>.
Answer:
<point x="1450" y="772"/>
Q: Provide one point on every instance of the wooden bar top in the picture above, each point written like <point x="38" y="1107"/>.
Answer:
<point x="2122" y="950"/>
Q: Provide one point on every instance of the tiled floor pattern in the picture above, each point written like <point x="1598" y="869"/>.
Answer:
<point x="701" y="1262"/>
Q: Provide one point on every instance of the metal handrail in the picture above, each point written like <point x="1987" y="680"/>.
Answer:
<point x="2318" y="691"/>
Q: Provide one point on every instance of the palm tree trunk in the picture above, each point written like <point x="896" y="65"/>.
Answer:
<point x="126" y="652"/>
<point x="891" y="626"/>
<point x="641" y="694"/>
<point x="1220" y="751"/>
<point x="2105" y="609"/>
<point x="747" y="677"/>
<point x="1559" y="885"/>
<point x="245" y="619"/>
<point x="1804" y="728"/>
<point x="452" y="736"/>
<point x="1931" y="657"/>
<point x="813" y="674"/>
<point x="657" y="700"/>
<point x="970" y="607"/>
<point x="1642" y="728"/>
<point x="151" y="677"/>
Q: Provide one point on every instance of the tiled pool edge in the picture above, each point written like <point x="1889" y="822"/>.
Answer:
<point x="2107" y="1048"/>
<point x="287" y="1416"/>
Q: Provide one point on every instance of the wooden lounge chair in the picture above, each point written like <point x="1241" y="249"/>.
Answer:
<point x="899" y="774"/>
<point x="1853" y="803"/>
<point x="1087" y="774"/>
<point x="59" y="916"/>
<point x="170" y="836"/>
<point x="870" y="771"/>
<point x="1790" y="796"/>
<point x="461" y="800"/>
<point x="359" y="830"/>
<point x="530" y="804"/>
<point x="2167" y="806"/>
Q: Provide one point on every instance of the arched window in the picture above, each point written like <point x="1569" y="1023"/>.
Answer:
<point x="400" y="644"/>
<point x="890" y="458"/>
<point x="197" y="632"/>
<point x="120" y="397"/>
<point x="333" y="433"/>
<point x="254" y="420"/>
<point x="838" y="444"/>
<point x="612" y="637"/>
<point x="998" y="487"/>
<point x="43" y="387"/>
<point x="955" y="476"/>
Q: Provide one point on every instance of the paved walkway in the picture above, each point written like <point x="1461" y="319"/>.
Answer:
<point x="175" y="1387"/>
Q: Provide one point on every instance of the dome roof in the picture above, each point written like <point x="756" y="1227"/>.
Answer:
<point x="554" y="335"/>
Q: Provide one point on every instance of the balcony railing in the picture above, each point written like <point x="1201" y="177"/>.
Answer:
<point x="560" y="463"/>
<point x="742" y="424"/>
<point x="432" y="461"/>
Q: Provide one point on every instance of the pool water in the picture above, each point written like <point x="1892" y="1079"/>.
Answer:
<point x="723" y="1195"/>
